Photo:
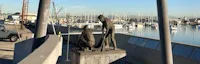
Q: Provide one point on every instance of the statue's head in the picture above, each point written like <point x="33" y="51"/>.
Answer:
<point x="85" y="27"/>
<point x="101" y="18"/>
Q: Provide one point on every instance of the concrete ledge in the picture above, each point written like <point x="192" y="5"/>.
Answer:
<point x="22" y="49"/>
<point x="47" y="53"/>
<point x="97" y="57"/>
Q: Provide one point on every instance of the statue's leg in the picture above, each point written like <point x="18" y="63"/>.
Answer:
<point x="103" y="45"/>
<point x="79" y="45"/>
<point x="107" y="42"/>
<point x="91" y="45"/>
<point x="113" y="39"/>
<point x="108" y="38"/>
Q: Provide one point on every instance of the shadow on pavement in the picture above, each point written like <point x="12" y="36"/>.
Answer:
<point x="5" y="50"/>
<point x="4" y="40"/>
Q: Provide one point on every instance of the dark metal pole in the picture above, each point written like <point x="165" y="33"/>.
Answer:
<point x="165" y="40"/>
<point x="41" y="23"/>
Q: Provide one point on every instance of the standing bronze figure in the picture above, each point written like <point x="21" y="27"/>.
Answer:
<point x="110" y="32"/>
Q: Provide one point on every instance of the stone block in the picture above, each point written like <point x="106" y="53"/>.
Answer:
<point x="97" y="57"/>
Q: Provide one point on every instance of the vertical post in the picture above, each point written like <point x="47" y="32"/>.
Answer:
<point x="68" y="40"/>
<point x="41" y="23"/>
<point x="1" y="10"/>
<point x="165" y="40"/>
<point x="22" y="19"/>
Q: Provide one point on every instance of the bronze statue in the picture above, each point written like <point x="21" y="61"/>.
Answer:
<point x="86" y="39"/>
<point x="110" y="32"/>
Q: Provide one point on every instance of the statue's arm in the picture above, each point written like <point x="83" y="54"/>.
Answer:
<point x="102" y="29"/>
<point x="107" y="29"/>
<point x="82" y="38"/>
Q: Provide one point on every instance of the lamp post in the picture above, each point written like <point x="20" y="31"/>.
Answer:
<point x="165" y="40"/>
<point x="41" y="23"/>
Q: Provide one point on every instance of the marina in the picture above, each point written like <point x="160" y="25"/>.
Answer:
<point x="99" y="32"/>
<point x="185" y="34"/>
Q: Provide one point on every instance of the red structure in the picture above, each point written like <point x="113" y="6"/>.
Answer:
<point x="24" y="12"/>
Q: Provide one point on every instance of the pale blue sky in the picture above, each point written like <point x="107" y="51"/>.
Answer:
<point x="145" y="7"/>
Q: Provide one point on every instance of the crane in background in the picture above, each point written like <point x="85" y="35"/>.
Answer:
<point x="55" y="12"/>
<point x="55" y="17"/>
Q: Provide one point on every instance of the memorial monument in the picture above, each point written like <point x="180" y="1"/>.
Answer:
<point x="102" y="53"/>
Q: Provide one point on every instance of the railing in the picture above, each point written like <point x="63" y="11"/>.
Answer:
<point x="47" y="53"/>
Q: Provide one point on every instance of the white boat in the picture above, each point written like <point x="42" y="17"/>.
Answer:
<point x="118" y="25"/>
<point x="148" y="24"/>
<point x="131" y="26"/>
<point x="139" y="25"/>
<point x="173" y="27"/>
<point x="155" y="25"/>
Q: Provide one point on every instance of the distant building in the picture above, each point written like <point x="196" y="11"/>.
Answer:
<point x="29" y="17"/>
<point x="175" y="21"/>
<point x="13" y="17"/>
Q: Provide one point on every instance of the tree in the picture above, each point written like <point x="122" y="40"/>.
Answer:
<point x="17" y="13"/>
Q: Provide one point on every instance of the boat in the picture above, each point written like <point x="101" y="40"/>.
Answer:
<point x="131" y="26"/>
<point x="173" y="27"/>
<point x="154" y="25"/>
<point x="148" y="24"/>
<point x="139" y="25"/>
<point x="118" y="25"/>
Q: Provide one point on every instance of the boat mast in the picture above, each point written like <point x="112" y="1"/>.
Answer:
<point x="88" y="17"/>
<point x="94" y="17"/>
<point x="0" y="9"/>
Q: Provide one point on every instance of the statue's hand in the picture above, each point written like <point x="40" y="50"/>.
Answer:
<point x="103" y="36"/>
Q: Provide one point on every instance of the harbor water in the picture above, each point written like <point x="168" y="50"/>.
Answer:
<point x="186" y="34"/>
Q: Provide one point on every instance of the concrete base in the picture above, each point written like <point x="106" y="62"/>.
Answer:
<point x="97" y="57"/>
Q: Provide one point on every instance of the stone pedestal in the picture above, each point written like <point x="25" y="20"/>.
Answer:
<point x="97" y="57"/>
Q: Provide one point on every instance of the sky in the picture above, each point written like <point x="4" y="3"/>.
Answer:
<point x="143" y="7"/>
